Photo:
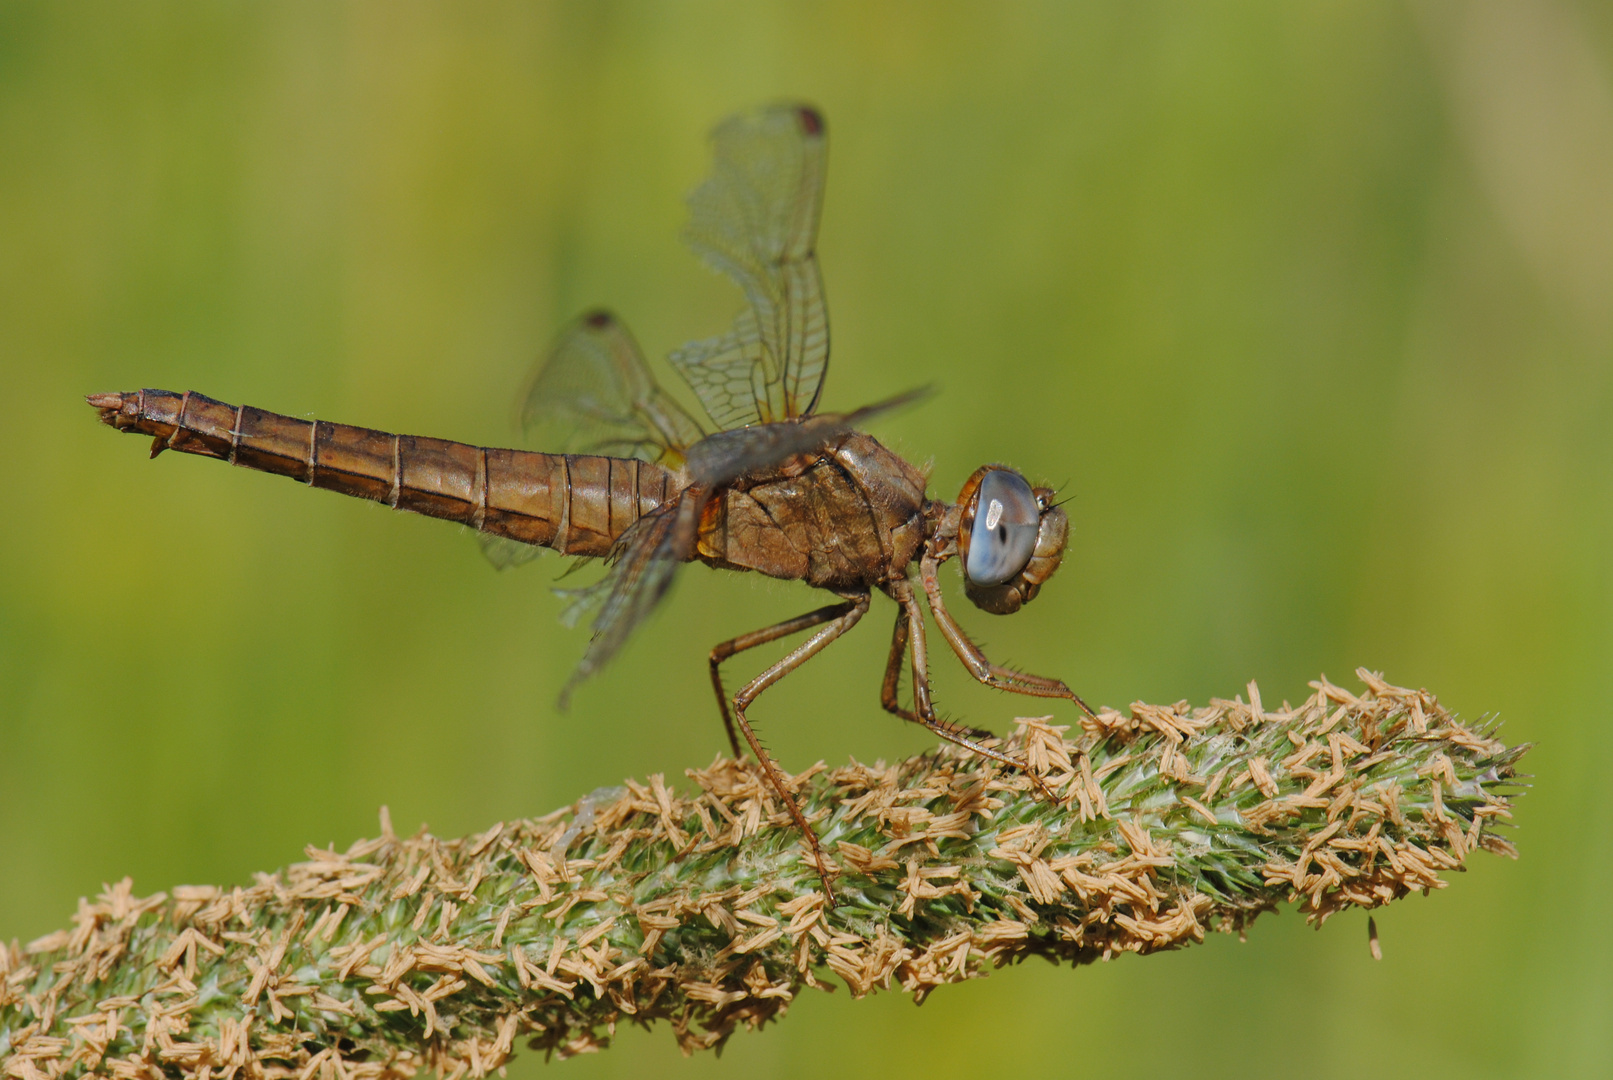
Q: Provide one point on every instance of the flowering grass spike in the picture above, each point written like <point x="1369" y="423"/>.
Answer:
<point x="701" y="909"/>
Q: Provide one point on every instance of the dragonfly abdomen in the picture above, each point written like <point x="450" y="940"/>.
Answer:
<point x="576" y="503"/>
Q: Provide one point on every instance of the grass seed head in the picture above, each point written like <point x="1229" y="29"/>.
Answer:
<point x="700" y="907"/>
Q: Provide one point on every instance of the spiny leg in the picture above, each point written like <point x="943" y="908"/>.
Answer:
<point x="889" y="699"/>
<point x="924" y="710"/>
<point x="991" y="674"/>
<point x="750" y="641"/>
<point x="849" y="612"/>
<point x="888" y="696"/>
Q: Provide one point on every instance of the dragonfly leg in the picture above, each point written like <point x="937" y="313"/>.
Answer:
<point x="762" y="637"/>
<point x="842" y="618"/>
<point x="1003" y="678"/>
<point x="924" y="710"/>
<point x="888" y="697"/>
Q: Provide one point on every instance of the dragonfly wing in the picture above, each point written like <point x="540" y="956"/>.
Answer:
<point x="505" y="553"/>
<point x="728" y="374"/>
<point x="594" y="394"/>
<point x="643" y="563"/>
<point x="760" y="448"/>
<point x="755" y="218"/>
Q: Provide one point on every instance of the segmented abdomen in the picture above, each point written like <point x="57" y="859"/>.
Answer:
<point x="575" y="503"/>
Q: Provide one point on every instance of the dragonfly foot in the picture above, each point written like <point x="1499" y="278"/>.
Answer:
<point x="826" y="874"/>
<point x="1043" y="791"/>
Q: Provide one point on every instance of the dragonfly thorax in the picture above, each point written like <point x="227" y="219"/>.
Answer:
<point x="847" y="518"/>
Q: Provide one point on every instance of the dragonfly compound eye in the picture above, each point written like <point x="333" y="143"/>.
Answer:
<point x="1002" y="533"/>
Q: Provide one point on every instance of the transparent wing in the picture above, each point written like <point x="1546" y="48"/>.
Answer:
<point x="643" y="563"/>
<point x="594" y="394"/>
<point x="760" y="448"/>
<point x="755" y="218"/>
<point x="505" y="553"/>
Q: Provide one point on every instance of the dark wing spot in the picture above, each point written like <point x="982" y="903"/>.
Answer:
<point x="1002" y="532"/>
<point x="811" y="120"/>
<point x="598" y="319"/>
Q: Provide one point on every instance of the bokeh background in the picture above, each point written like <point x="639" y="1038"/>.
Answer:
<point x="1308" y="306"/>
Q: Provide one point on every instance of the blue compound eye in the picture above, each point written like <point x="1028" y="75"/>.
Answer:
<point x="1003" y="536"/>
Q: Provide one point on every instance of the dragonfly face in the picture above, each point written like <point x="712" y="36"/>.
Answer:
<point x="1011" y="538"/>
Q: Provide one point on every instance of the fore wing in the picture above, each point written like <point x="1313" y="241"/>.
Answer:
<point x="760" y="448"/>
<point x="755" y="218"/>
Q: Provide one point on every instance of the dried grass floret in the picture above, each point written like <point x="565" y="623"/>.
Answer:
<point x="700" y="908"/>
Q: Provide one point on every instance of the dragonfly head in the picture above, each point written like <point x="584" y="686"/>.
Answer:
<point x="1010" y="538"/>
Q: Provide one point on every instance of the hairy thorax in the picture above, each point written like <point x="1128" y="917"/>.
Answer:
<point x="848" y="519"/>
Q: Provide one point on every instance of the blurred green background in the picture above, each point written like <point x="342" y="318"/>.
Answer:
<point x="1310" y="307"/>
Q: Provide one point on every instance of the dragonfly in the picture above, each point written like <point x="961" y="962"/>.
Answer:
<point x="770" y="484"/>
